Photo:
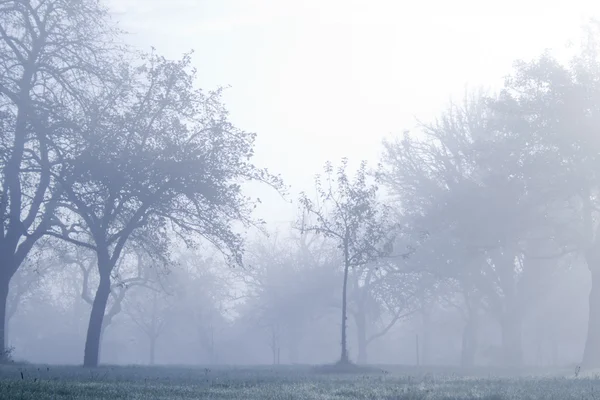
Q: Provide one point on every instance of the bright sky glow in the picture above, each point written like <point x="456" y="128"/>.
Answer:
<point x="323" y="79"/>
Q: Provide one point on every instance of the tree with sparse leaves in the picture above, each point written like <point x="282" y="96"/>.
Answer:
<point x="349" y="213"/>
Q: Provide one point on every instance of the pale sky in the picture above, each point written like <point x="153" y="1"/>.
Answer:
<point x="320" y="80"/>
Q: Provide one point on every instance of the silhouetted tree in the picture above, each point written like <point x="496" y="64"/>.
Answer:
<point x="159" y="159"/>
<point x="349" y="213"/>
<point x="52" y="54"/>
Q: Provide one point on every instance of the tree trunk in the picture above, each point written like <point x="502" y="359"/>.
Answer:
<point x="274" y="345"/>
<point x="512" y="347"/>
<point x="152" y="348"/>
<point x="591" y="353"/>
<point x="554" y="345"/>
<point x="344" y="359"/>
<point x="213" y="350"/>
<point x="294" y="345"/>
<point x="94" y="332"/>
<point x="361" y="332"/>
<point x="426" y="336"/>
<point x="469" y="343"/>
<point x="4" y="287"/>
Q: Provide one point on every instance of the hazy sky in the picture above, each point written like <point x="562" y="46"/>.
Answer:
<point x="320" y="80"/>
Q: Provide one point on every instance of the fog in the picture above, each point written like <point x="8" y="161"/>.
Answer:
<point x="425" y="173"/>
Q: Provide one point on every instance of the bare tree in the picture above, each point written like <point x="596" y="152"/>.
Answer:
<point x="148" y="309"/>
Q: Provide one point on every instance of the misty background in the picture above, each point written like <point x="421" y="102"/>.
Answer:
<point x="323" y="80"/>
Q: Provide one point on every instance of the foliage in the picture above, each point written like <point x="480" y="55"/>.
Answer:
<point x="349" y="212"/>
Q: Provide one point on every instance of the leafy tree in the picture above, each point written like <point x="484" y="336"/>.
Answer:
<point x="52" y="53"/>
<point x="159" y="159"/>
<point x="349" y="213"/>
<point x="554" y="109"/>
<point x="468" y="182"/>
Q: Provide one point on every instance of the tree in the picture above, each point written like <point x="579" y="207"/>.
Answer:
<point x="289" y="283"/>
<point x="201" y="294"/>
<point x="149" y="310"/>
<point x="472" y="181"/>
<point x="556" y="107"/>
<point x="159" y="160"/>
<point x="381" y="294"/>
<point x="136" y="268"/>
<point x="28" y="279"/>
<point x="349" y="213"/>
<point x="50" y="56"/>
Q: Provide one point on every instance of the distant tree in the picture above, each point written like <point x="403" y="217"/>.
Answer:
<point x="28" y="279"/>
<point x="349" y="213"/>
<point x="201" y="294"/>
<point x="159" y="160"/>
<point x="553" y="108"/>
<point x="467" y="182"/>
<point x="289" y="283"/>
<point x="149" y="309"/>
<point x="52" y="54"/>
<point x="380" y="295"/>
<point x="488" y="181"/>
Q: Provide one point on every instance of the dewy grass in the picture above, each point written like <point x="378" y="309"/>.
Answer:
<point x="390" y="383"/>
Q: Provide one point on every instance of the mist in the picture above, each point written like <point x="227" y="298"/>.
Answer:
<point x="318" y="182"/>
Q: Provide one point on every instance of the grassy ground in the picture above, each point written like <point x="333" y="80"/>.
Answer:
<point x="393" y="383"/>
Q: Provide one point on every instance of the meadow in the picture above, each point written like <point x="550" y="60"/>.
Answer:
<point x="297" y="382"/>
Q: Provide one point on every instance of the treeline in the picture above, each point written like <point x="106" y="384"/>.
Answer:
<point x="111" y="162"/>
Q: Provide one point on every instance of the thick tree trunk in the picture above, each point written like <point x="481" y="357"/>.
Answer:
<point x="469" y="343"/>
<point x="94" y="332"/>
<point x="344" y="356"/>
<point x="591" y="353"/>
<point x="4" y="287"/>
<point x="512" y="346"/>
<point x="361" y="332"/>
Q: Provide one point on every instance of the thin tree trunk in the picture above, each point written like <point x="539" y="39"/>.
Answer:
<point x="554" y="345"/>
<point x="293" y="344"/>
<point x="153" y="328"/>
<point x="361" y="332"/>
<point x="152" y="348"/>
<point x="4" y="287"/>
<point x="469" y="343"/>
<point x="344" y="356"/>
<point x="274" y="346"/>
<point x="512" y="346"/>
<point x="212" y="346"/>
<point x="94" y="332"/>
<point x="591" y="353"/>
<point x="426" y="342"/>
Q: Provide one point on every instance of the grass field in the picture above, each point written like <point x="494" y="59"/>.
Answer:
<point x="393" y="383"/>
